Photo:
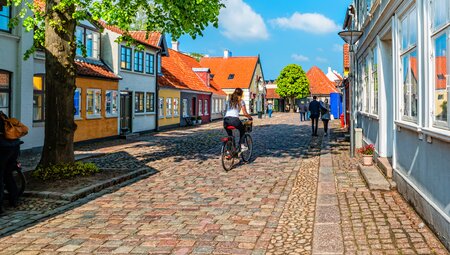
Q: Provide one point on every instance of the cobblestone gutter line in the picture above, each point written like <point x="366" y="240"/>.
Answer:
<point x="293" y="234"/>
<point x="375" y="222"/>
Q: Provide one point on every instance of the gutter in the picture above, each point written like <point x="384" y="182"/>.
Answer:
<point x="158" y="52"/>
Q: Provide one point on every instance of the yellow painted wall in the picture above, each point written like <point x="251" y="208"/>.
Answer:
<point x="95" y="128"/>
<point x="173" y="120"/>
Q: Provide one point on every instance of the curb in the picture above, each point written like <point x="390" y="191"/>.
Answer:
<point x="72" y="196"/>
<point x="24" y="224"/>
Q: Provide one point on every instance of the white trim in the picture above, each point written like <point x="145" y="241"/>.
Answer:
<point x="196" y="92"/>
<point x="408" y="125"/>
<point x="443" y="135"/>
<point x="9" y="35"/>
<point x="418" y="190"/>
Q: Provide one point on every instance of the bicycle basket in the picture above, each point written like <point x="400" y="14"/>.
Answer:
<point x="248" y="126"/>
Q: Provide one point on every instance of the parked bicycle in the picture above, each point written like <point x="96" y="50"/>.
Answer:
<point x="19" y="178"/>
<point x="231" y="152"/>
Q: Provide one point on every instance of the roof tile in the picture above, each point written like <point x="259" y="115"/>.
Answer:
<point x="319" y="84"/>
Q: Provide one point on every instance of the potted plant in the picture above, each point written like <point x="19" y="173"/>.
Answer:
<point x="199" y="120"/>
<point x="194" y="120"/>
<point x="367" y="154"/>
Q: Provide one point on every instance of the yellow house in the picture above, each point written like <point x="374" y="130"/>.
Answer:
<point x="169" y="107"/>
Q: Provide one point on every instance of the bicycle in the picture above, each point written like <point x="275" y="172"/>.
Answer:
<point x="229" y="150"/>
<point x="19" y="178"/>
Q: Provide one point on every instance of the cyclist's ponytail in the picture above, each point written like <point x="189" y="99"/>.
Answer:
<point x="235" y="98"/>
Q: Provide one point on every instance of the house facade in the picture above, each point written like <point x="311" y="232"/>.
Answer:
<point x="402" y="97"/>
<point x="230" y="72"/>
<point x="273" y="97"/>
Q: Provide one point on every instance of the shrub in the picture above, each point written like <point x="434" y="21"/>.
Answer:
<point x="65" y="171"/>
<point x="367" y="150"/>
<point x="199" y="117"/>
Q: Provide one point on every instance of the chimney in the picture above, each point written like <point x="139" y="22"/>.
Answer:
<point x="175" y="45"/>
<point x="227" y="54"/>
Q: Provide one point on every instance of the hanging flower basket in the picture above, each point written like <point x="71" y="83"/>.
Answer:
<point x="367" y="154"/>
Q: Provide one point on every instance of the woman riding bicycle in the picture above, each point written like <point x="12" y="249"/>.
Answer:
<point x="233" y="107"/>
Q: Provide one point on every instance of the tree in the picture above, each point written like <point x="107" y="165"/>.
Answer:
<point x="292" y="83"/>
<point x="54" y="23"/>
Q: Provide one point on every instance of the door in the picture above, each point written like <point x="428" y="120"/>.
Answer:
<point x="194" y="107"/>
<point x="125" y="112"/>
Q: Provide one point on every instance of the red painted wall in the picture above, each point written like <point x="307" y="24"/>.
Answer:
<point x="205" y="118"/>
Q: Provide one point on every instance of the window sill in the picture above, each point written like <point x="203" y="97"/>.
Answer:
<point x="39" y="124"/>
<point x="408" y="125"/>
<point x="9" y="35"/>
<point x="369" y="115"/>
<point x="94" y="117"/>
<point x="111" y="116"/>
<point x="135" y="72"/>
<point x="440" y="134"/>
<point x="169" y="117"/>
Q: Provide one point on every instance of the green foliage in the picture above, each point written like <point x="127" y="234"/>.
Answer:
<point x="197" y="56"/>
<point x="292" y="82"/>
<point x="65" y="171"/>
<point x="166" y="16"/>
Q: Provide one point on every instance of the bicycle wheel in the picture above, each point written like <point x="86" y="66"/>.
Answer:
<point x="248" y="141"/>
<point x="227" y="155"/>
<point x="20" y="180"/>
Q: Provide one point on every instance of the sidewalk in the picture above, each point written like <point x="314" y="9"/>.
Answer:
<point x="373" y="222"/>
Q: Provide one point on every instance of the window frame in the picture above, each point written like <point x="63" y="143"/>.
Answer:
<point x="161" y="110"/>
<point x="169" y="113"/>
<point x="139" y="105"/>
<point x="206" y="108"/>
<point x="8" y="30"/>
<point x="95" y="50"/>
<point x="127" y="49"/>
<point x="114" y="103"/>
<point x="200" y="107"/>
<point x="138" y="63"/>
<point x="185" y="108"/>
<point x="7" y="91"/>
<point x="150" y="102"/>
<point x="80" y="96"/>
<point x="176" y="106"/>
<point x="42" y="94"/>
<point x="95" y="103"/>
<point x="374" y="102"/>
<point x="149" y="63"/>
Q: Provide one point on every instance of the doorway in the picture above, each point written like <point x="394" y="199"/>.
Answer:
<point x="126" y="112"/>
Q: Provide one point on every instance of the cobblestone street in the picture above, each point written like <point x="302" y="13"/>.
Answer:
<point x="192" y="206"/>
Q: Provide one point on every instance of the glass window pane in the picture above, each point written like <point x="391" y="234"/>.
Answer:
<point x="38" y="83"/>
<point x="108" y="98"/>
<point x="404" y="32"/>
<point x="440" y="78"/>
<point x="414" y="82"/>
<point x="440" y="12"/>
<point x="4" y="23"/>
<point x="413" y="28"/>
<point x="79" y="34"/>
<point x="76" y="102"/>
<point x="406" y="86"/>
<point x="89" y="43"/>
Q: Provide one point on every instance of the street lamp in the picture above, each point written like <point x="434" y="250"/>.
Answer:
<point x="351" y="37"/>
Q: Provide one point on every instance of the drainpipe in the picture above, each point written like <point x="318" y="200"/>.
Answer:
<point x="158" y="52"/>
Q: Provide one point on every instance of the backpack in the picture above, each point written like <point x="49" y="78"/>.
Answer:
<point x="12" y="128"/>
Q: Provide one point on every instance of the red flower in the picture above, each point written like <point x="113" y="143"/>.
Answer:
<point x="367" y="150"/>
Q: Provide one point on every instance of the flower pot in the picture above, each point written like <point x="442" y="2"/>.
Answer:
<point x="199" y="122"/>
<point x="367" y="160"/>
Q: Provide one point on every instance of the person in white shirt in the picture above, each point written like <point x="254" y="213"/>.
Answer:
<point x="233" y="107"/>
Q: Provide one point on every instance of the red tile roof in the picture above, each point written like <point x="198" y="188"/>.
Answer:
<point x="92" y="69"/>
<point x="151" y="40"/>
<point x="270" y="93"/>
<point x="178" y="73"/>
<point x="242" y="68"/>
<point x="319" y="84"/>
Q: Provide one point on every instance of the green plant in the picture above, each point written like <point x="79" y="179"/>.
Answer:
<point x="199" y="118"/>
<point x="292" y="83"/>
<point x="65" y="171"/>
<point x="367" y="150"/>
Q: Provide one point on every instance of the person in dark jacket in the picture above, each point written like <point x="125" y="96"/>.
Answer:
<point x="9" y="152"/>
<point x="314" y="109"/>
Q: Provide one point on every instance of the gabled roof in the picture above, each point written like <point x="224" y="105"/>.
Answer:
<point x="319" y="84"/>
<point x="94" y="68"/>
<point x="178" y="74"/>
<point x="231" y="72"/>
<point x="153" y="39"/>
<point x="271" y="93"/>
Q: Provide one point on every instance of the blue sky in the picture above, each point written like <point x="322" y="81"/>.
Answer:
<point x="303" y="32"/>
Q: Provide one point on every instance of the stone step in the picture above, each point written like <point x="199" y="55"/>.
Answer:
<point x="374" y="178"/>
<point x="385" y="166"/>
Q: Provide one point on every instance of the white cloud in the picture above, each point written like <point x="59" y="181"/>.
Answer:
<point x="321" y="60"/>
<point x="240" y="22"/>
<point x="300" y="58"/>
<point x="315" y="23"/>
<point x="337" y="47"/>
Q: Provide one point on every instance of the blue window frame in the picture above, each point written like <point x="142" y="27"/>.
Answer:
<point x="125" y="58"/>
<point x="149" y="63"/>
<point x="138" y="61"/>
<point x="5" y="16"/>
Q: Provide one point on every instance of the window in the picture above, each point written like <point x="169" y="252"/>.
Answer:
<point x="93" y="102"/>
<point x="90" y="40"/>
<point x="77" y="103"/>
<point x="5" y="16"/>
<point x="200" y="113"/>
<point x="409" y="72"/>
<point x="366" y="86"/>
<point x="176" y="105"/>
<point x="185" y="108"/>
<point x="139" y="102"/>
<point x="168" y="107"/>
<point x="150" y="102"/>
<point x="159" y="64"/>
<point x="161" y="107"/>
<point x="5" y="91"/>
<point x="440" y="41"/>
<point x="374" y="82"/>
<point x="138" y="61"/>
<point x="125" y="58"/>
<point x="111" y="99"/>
<point x="231" y="76"/>
<point x="206" y="107"/>
<point x="149" y="63"/>
<point x="38" y="98"/>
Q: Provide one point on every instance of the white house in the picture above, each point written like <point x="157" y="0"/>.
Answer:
<point x="402" y="97"/>
<point x="139" y="70"/>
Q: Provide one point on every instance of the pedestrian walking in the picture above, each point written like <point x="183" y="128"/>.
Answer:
<point x="314" y="108"/>
<point x="9" y="152"/>
<point x="303" y="110"/>
<point x="270" y="109"/>
<point x="325" y="116"/>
